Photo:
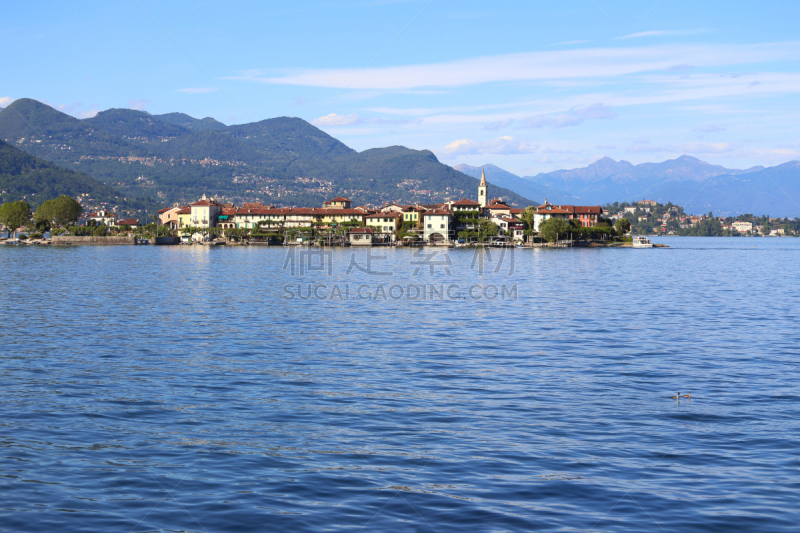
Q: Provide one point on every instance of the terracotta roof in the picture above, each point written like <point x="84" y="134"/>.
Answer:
<point x="363" y="230"/>
<point x="339" y="199"/>
<point x="590" y="209"/>
<point x="554" y="210"/>
<point x="128" y="222"/>
<point x="465" y="201"/>
<point x="516" y="211"/>
<point x="436" y="212"/>
<point x="497" y="202"/>
<point x="202" y="203"/>
<point x="185" y="211"/>
<point x="229" y="211"/>
<point x="164" y="210"/>
<point x="391" y="214"/>
<point x="570" y="209"/>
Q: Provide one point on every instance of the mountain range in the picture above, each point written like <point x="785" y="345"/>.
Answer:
<point x="282" y="161"/>
<point x="698" y="186"/>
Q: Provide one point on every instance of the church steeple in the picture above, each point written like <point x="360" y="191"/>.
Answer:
<point x="483" y="190"/>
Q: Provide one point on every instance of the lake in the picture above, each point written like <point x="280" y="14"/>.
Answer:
<point x="194" y="388"/>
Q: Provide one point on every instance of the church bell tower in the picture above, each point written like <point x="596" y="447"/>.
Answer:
<point x="483" y="190"/>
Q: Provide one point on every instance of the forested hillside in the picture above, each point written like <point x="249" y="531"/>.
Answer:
<point x="282" y="161"/>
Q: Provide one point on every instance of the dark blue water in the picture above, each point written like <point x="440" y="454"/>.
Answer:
<point x="206" y="389"/>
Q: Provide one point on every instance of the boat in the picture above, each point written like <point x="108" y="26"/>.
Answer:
<point x="642" y="242"/>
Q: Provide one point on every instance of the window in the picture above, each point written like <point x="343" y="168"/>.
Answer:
<point x="442" y="226"/>
<point x="430" y="226"/>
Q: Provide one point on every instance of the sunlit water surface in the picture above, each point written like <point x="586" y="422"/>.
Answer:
<point x="206" y="389"/>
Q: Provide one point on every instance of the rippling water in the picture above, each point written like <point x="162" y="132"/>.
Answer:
<point x="189" y="388"/>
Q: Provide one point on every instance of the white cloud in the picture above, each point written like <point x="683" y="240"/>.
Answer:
<point x="500" y="145"/>
<point x="533" y="66"/>
<point x="497" y="125"/>
<point x="87" y="114"/>
<point x="336" y="120"/>
<point x="139" y="105"/>
<point x="573" y="117"/>
<point x="662" y="33"/>
<point x="5" y="101"/>
<point x="569" y="42"/>
<point x="198" y="90"/>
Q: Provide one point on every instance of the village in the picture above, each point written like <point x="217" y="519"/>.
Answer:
<point x="463" y="222"/>
<point x="452" y="223"/>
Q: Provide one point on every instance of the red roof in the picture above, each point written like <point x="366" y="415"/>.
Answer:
<point x="590" y="209"/>
<point x="164" y="210"/>
<point x="391" y="214"/>
<point x="436" y="212"/>
<point x="202" y="203"/>
<point x="363" y="230"/>
<point x="185" y="211"/>
<point x="128" y="222"/>
<point x="465" y="201"/>
<point x="339" y="199"/>
<point x="497" y="203"/>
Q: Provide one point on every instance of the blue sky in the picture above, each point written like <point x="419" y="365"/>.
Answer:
<point x="528" y="86"/>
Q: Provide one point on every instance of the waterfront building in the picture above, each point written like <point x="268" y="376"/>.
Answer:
<point x="412" y="214"/>
<point x="169" y="216"/>
<point x="385" y="222"/>
<point x="588" y="215"/>
<point x="184" y="216"/>
<point x="436" y="225"/>
<point x="742" y="227"/>
<point x="361" y="236"/>
<point x="205" y="212"/>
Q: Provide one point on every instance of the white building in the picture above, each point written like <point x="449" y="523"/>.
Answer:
<point x="436" y="225"/>
<point x="103" y="217"/>
<point x="742" y="227"/>
<point x="483" y="190"/>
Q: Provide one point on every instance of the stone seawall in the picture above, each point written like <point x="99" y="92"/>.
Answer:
<point x="69" y="239"/>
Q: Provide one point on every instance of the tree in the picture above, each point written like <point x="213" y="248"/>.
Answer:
<point x="527" y="217"/>
<point x="66" y="211"/>
<point x="14" y="215"/>
<point x="622" y="225"/>
<point x="554" y="228"/>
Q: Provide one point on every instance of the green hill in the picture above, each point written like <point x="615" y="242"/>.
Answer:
<point x="129" y="123"/>
<point x="282" y="161"/>
<point x="25" y="177"/>
<point x="191" y="123"/>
